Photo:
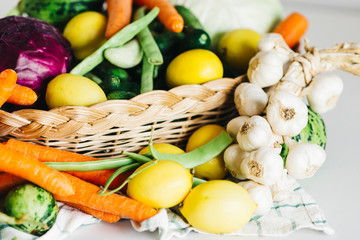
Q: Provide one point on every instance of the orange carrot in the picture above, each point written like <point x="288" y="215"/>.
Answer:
<point x="168" y="15"/>
<point x="100" y="177"/>
<point x="8" y="78"/>
<point x="49" y="154"/>
<point x="8" y="182"/>
<point x="86" y="194"/>
<point x="35" y="171"/>
<point x="119" y="15"/>
<point x="292" y="28"/>
<point x="22" y="95"/>
<point x="106" y="217"/>
<point x="45" y="153"/>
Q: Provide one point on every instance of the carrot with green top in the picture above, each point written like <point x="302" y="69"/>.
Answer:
<point x="34" y="171"/>
<point x="86" y="194"/>
<point x="106" y="217"/>
<point x="9" y="181"/>
<point x="8" y="78"/>
<point x="292" y="28"/>
<point x="168" y="15"/>
<point x="22" y="95"/>
<point x="119" y="15"/>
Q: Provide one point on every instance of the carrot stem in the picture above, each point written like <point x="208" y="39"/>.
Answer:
<point x="35" y="171"/>
<point x="86" y="194"/>
<point x="292" y="28"/>
<point x="168" y="15"/>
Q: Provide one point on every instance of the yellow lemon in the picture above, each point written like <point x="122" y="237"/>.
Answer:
<point x="218" y="206"/>
<point x="238" y="46"/>
<point x="194" y="67"/>
<point x="85" y="32"/>
<point x="70" y="89"/>
<point x="161" y="185"/>
<point x="215" y="168"/>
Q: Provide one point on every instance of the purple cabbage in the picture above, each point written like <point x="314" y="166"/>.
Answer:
<point x="36" y="50"/>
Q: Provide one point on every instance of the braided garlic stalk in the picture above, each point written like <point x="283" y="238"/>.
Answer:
<point x="279" y="79"/>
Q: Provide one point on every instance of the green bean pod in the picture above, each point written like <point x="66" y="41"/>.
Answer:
<point x="120" y="38"/>
<point x="198" y="156"/>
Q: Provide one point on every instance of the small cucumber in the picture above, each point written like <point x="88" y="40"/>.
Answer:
<point x="118" y="94"/>
<point x="58" y="12"/>
<point x="33" y="203"/>
<point x="114" y="78"/>
<point x="195" y="38"/>
<point x="189" y="18"/>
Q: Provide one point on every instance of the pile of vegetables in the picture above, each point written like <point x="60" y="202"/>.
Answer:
<point x="119" y="49"/>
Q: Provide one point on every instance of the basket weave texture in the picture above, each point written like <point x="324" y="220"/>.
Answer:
<point x="106" y="129"/>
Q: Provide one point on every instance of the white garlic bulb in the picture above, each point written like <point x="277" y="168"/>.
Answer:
<point x="260" y="194"/>
<point x="264" y="166"/>
<point x="304" y="159"/>
<point x="254" y="133"/>
<point x="324" y="92"/>
<point x="234" y="125"/>
<point x="265" y="69"/>
<point x="275" y="42"/>
<point x="233" y="157"/>
<point x="286" y="113"/>
<point x="250" y="99"/>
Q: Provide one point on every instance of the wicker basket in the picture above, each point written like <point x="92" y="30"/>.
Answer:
<point x="105" y="129"/>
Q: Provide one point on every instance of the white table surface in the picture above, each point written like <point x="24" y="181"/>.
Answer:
<point x="335" y="186"/>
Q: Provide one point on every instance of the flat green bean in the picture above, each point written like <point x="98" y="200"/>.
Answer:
<point x="91" y="165"/>
<point x="141" y="158"/>
<point x="114" y="175"/>
<point x="103" y="193"/>
<point x="147" y="77"/>
<point x="120" y="38"/>
<point x="197" y="181"/>
<point x="198" y="156"/>
<point x="147" y="41"/>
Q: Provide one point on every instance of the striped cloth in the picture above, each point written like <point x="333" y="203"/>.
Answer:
<point x="298" y="210"/>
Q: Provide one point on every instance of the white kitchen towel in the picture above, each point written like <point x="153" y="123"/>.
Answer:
<point x="298" y="210"/>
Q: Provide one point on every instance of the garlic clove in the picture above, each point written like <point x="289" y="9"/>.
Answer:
<point x="264" y="166"/>
<point x="286" y="113"/>
<point x="324" y="92"/>
<point x="304" y="159"/>
<point x="265" y="69"/>
<point x="282" y="188"/>
<point x="260" y="194"/>
<point x="254" y="133"/>
<point x="250" y="99"/>
<point x="233" y="157"/>
<point x="234" y="125"/>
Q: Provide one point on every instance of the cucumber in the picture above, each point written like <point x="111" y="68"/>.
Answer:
<point x="195" y="38"/>
<point x="189" y="17"/>
<point x="314" y="132"/>
<point x="114" y="78"/>
<point x="58" y="12"/>
<point x="35" y="204"/>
